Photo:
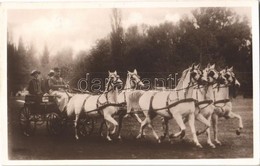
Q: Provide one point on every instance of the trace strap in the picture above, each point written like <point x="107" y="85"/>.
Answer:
<point x="208" y="102"/>
<point x="222" y="101"/>
<point x="168" y="106"/>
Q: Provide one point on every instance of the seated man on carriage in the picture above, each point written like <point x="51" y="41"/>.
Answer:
<point x="58" y="88"/>
<point x="34" y="86"/>
<point x="46" y="82"/>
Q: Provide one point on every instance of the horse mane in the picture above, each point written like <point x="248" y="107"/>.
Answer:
<point x="183" y="77"/>
<point x="107" y="85"/>
<point x="233" y="89"/>
<point x="127" y="83"/>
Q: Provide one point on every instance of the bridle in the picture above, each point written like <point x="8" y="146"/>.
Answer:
<point x="196" y="81"/>
<point x="227" y="76"/>
<point x="133" y="80"/>
<point x="112" y="83"/>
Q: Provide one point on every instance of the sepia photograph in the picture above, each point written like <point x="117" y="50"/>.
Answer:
<point x="129" y="82"/>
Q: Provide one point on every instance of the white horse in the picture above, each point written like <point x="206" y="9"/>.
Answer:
<point x="177" y="103"/>
<point x="132" y="82"/>
<point x="125" y="96"/>
<point x="92" y="105"/>
<point x="203" y="94"/>
<point x="222" y="102"/>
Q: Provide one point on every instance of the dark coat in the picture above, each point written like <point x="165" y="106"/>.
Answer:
<point x="34" y="87"/>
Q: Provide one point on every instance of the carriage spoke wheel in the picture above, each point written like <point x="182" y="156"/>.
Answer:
<point x="54" y="125"/>
<point x="27" y="122"/>
<point x="85" y="126"/>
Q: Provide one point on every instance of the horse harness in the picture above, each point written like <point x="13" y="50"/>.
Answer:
<point x="168" y="100"/>
<point x="100" y="106"/>
<point x="223" y="101"/>
<point x="205" y="101"/>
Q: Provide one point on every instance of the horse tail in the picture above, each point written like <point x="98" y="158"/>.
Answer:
<point x="70" y="106"/>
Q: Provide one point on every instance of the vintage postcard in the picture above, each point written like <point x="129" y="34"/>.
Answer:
<point x="126" y="83"/>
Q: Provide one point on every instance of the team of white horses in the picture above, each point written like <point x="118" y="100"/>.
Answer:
<point x="200" y="94"/>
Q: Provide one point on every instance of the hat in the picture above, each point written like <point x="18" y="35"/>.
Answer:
<point x="34" y="72"/>
<point x="51" y="73"/>
<point x="56" y="69"/>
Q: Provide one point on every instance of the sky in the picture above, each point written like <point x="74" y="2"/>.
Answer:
<point x="79" y="29"/>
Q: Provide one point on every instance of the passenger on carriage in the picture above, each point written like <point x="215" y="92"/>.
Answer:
<point x="58" y="88"/>
<point x="34" y="86"/>
<point x="47" y="81"/>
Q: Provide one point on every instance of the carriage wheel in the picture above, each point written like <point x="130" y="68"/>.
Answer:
<point x="27" y="123"/>
<point x="54" y="125"/>
<point x="85" y="125"/>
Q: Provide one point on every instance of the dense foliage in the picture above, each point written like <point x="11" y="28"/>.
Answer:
<point x="212" y="35"/>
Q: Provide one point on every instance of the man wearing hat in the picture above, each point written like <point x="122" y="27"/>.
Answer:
<point x="34" y="87"/>
<point x="46" y="82"/>
<point x="57" y="88"/>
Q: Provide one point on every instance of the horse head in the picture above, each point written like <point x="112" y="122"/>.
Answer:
<point x="212" y="75"/>
<point x="113" y="81"/>
<point x="196" y="75"/>
<point x="229" y="76"/>
<point x="134" y="79"/>
<point x="230" y="80"/>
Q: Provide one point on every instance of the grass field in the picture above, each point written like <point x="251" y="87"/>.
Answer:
<point x="43" y="146"/>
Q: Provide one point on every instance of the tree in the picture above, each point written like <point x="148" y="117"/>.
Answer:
<point x="45" y="57"/>
<point x="116" y="38"/>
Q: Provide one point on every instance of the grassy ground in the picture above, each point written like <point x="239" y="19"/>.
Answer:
<point x="43" y="146"/>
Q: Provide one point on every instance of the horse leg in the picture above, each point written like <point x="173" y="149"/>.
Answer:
<point x="178" y="119"/>
<point x="151" y="116"/>
<point x="120" y="122"/>
<point x="208" y="135"/>
<point x="108" y="118"/>
<point x="138" y="118"/>
<point x="203" y="120"/>
<point x="215" y="128"/>
<point x="240" y="127"/>
<point x="101" y="127"/>
<point x="144" y="123"/>
<point x="108" y="130"/>
<point x="76" y="126"/>
<point x="193" y="131"/>
<point x="165" y="128"/>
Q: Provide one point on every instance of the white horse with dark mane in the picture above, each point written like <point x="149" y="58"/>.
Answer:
<point x="177" y="103"/>
<point x="222" y="101"/>
<point x="104" y="104"/>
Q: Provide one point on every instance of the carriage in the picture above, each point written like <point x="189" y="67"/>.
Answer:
<point x="39" y="110"/>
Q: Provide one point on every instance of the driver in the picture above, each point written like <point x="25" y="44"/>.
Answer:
<point x="58" y="88"/>
<point x="34" y="86"/>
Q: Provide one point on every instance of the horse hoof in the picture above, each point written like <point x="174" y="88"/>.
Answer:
<point x="238" y="132"/>
<point x="109" y="139"/>
<point x="182" y="134"/>
<point x="159" y="141"/>
<point x="138" y="137"/>
<point x="218" y="143"/>
<point x="171" y="136"/>
<point x="212" y="146"/>
<point x="199" y="146"/>
<point x="76" y="137"/>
